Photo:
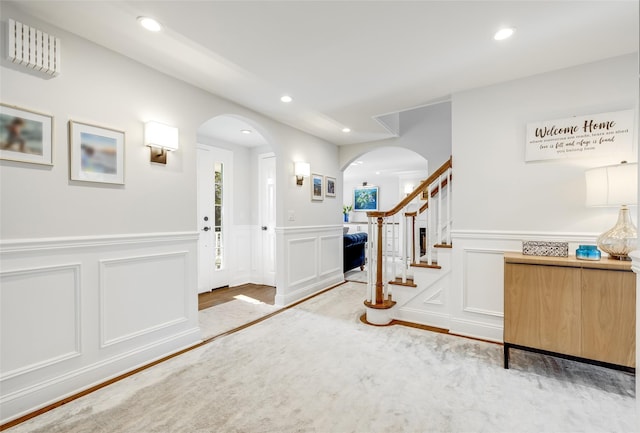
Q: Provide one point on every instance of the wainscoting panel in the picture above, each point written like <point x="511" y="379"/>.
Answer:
<point x="129" y="284"/>
<point x="478" y="273"/>
<point x="303" y="260"/>
<point x="79" y="311"/>
<point x="483" y="286"/>
<point x="330" y="261"/>
<point x="309" y="260"/>
<point x="30" y="300"/>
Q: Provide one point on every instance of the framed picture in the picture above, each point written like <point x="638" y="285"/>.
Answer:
<point x="330" y="185"/>
<point x="25" y="136"/>
<point x="365" y="198"/>
<point x="316" y="186"/>
<point x="97" y="154"/>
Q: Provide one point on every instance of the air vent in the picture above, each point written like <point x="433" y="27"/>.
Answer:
<point x="33" y="48"/>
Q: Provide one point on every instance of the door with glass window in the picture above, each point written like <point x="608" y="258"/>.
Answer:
<point x="215" y="166"/>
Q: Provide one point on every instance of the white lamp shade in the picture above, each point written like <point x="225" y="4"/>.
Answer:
<point x="614" y="185"/>
<point x="160" y="135"/>
<point x="302" y="169"/>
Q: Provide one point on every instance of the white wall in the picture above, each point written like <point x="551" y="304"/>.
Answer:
<point x="86" y="240"/>
<point x="500" y="200"/>
<point x="425" y="130"/>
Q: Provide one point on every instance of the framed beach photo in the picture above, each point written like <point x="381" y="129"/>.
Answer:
<point x="97" y="154"/>
<point x="25" y="136"/>
<point x="365" y="198"/>
<point x="317" y="181"/>
<point x="330" y="186"/>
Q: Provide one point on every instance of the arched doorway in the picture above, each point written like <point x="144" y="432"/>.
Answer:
<point x="232" y="209"/>
<point x="394" y="170"/>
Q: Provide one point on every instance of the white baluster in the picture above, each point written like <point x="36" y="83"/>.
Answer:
<point x="429" y="227"/>
<point x="439" y="235"/>
<point x="449" y="189"/>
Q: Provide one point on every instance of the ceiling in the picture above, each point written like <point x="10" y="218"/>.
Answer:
<point x="346" y="62"/>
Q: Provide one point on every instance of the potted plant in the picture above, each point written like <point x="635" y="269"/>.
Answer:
<point x="345" y="211"/>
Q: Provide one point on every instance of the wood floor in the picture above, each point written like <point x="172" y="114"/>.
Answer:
<point x="266" y="294"/>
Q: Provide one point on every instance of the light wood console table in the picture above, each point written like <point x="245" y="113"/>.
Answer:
<point x="576" y="309"/>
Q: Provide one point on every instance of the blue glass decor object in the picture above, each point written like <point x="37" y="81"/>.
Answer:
<point x="588" y="252"/>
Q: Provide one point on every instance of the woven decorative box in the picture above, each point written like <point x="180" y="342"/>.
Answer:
<point x="541" y="248"/>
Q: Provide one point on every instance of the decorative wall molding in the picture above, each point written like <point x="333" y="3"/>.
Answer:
<point x="302" y="250"/>
<point x="17" y="245"/>
<point x="134" y="269"/>
<point x="308" y="229"/>
<point x="306" y="262"/>
<point x="466" y="278"/>
<point x="525" y="235"/>
<point x="162" y="262"/>
<point x="42" y="271"/>
<point x="477" y="291"/>
<point x="329" y="261"/>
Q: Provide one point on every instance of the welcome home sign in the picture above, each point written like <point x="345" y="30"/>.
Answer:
<point x="594" y="135"/>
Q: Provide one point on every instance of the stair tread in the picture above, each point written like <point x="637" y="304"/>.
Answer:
<point x="425" y="265"/>
<point x="398" y="282"/>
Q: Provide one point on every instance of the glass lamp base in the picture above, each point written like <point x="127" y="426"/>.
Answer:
<point x="621" y="239"/>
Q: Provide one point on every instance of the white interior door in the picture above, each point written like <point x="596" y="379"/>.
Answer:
<point x="267" y="204"/>
<point x="215" y="169"/>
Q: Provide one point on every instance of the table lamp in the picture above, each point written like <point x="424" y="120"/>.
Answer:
<point x="615" y="185"/>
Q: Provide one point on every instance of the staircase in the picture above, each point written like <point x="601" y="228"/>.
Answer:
<point x="410" y="273"/>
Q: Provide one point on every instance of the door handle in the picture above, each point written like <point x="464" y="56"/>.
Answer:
<point x="264" y="228"/>
<point x="206" y="229"/>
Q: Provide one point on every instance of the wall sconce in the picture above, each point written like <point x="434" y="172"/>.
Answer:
<point x="408" y="189"/>
<point x="613" y="186"/>
<point x="160" y="139"/>
<point x="301" y="170"/>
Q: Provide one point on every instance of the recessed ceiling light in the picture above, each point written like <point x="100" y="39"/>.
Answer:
<point x="345" y="130"/>
<point x="286" y="98"/>
<point x="150" y="24"/>
<point x="245" y="131"/>
<point x="504" y="33"/>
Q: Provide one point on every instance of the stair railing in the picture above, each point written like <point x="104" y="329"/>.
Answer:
<point x="395" y="237"/>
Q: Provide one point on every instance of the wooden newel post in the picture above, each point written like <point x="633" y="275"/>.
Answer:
<point x="379" y="286"/>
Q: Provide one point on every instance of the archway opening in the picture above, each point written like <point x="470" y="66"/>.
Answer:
<point x="236" y="257"/>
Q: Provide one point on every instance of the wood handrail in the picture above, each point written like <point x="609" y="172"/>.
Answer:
<point x="424" y="185"/>
<point x="425" y="206"/>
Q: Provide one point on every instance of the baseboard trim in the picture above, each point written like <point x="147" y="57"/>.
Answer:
<point x="477" y="330"/>
<point x="426" y="318"/>
<point x="309" y="290"/>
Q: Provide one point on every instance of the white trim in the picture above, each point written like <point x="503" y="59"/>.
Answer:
<point x="76" y="271"/>
<point x="17" y="245"/>
<point x="305" y="292"/>
<point x="465" y="278"/>
<point x="305" y="229"/>
<point x="470" y="328"/>
<point x="104" y="265"/>
<point x="524" y="235"/>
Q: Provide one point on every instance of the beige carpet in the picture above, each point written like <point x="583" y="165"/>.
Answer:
<point x="230" y="315"/>
<point x="317" y="368"/>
